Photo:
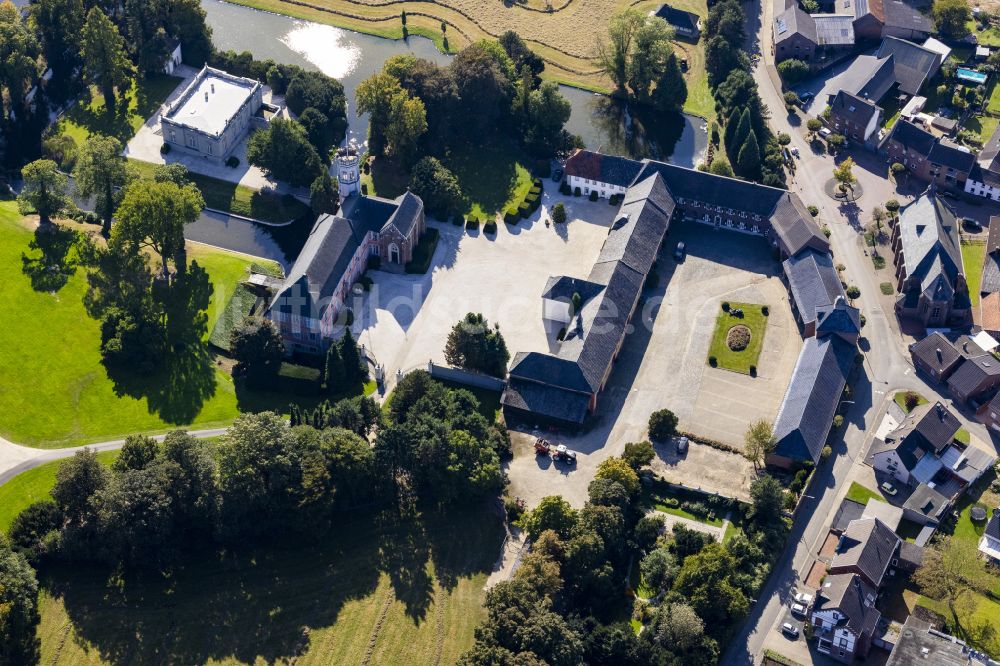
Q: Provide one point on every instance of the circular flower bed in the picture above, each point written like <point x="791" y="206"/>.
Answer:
<point x="738" y="337"/>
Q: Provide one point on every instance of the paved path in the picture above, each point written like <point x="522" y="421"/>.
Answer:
<point x="15" y="458"/>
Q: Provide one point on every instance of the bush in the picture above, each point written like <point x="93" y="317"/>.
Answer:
<point x="374" y="263"/>
<point x="792" y="71"/>
<point x="827" y="452"/>
<point x="911" y="399"/>
<point x="593" y="195"/>
<point x="511" y="216"/>
<point x="165" y="148"/>
<point x="838" y="421"/>
<point x="559" y="213"/>
<point x="753" y="370"/>
<point x="712" y="361"/>
<point x="662" y="424"/>
<point x="232" y="161"/>
<point x="564" y="188"/>
<point x="813" y="210"/>
<point x="472" y="223"/>
<point x="764" y="310"/>
<point x="524" y="210"/>
<point x="853" y="292"/>
<point x="577" y="192"/>
<point x="490" y="227"/>
<point x="366" y="282"/>
<point x="725" y="306"/>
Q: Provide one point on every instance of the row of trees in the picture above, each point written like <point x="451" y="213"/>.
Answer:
<point x="639" y="58"/>
<point x="753" y="151"/>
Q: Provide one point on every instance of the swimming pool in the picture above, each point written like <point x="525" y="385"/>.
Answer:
<point x="970" y="75"/>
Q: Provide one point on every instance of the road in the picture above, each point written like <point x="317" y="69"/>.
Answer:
<point x="886" y="368"/>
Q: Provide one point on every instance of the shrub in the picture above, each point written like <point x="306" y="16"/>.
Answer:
<point x="813" y="210"/>
<point x="472" y="223"/>
<point x="564" y="188"/>
<point x="712" y="361"/>
<point x="827" y="452"/>
<point x="490" y="227"/>
<point x="662" y="424"/>
<point x="826" y="231"/>
<point x="911" y="399"/>
<point x="892" y="205"/>
<point x="838" y="421"/>
<point x="559" y="213"/>
<point x="511" y="216"/>
<point x="165" y="148"/>
<point x="535" y="190"/>
<point x="577" y="192"/>
<point x="524" y="210"/>
<point x="593" y="195"/>
<point x="764" y="310"/>
<point x="853" y="292"/>
<point x="232" y="161"/>
<point x="753" y="370"/>
<point x="374" y="263"/>
<point x="738" y="338"/>
<point x="878" y="261"/>
<point x="725" y="306"/>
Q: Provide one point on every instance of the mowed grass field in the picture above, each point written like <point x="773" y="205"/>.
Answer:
<point x="90" y="116"/>
<point x="372" y="592"/>
<point x="565" y="37"/>
<point x="754" y="319"/>
<point x="973" y="255"/>
<point x="54" y="390"/>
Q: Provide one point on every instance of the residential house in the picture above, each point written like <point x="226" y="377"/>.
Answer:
<point x="984" y="177"/>
<point x="976" y="378"/>
<point x="920" y="438"/>
<point x="605" y="174"/>
<point x="913" y="64"/>
<point x="685" y="24"/>
<point x="936" y="356"/>
<point x="563" y="387"/>
<point x="927" y="257"/>
<point x="867" y="548"/>
<point x="856" y="118"/>
<point x="919" y="643"/>
<point x="989" y="413"/>
<point x="989" y="545"/>
<point x="334" y="256"/>
<point x="844" y="617"/>
<point x="811" y="37"/>
<point x="928" y="158"/>
<point x="877" y="19"/>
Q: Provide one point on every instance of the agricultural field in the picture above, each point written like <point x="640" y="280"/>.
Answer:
<point x="373" y="591"/>
<point x="563" y="32"/>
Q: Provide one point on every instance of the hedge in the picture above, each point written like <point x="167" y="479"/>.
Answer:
<point x="511" y="216"/>
<point x="714" y="443"/>
<point x="525" y="210"/>
<point x="471" y="223"/>
<point x="490" y="227"/>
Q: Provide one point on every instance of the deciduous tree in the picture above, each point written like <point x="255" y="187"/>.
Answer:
<point x="283" y="151"/>
<point x="257" y="347"/>
<point x="105" y="59"/>
<point x="758" y="442"/>
<point x="44" y="190"/>
<point x="472" y="344"/>
<point x="152" y="215"/>
<point x="102" y="172"/>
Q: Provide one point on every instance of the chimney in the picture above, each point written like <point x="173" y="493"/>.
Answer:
<point x="213" y="88"/>
<point x="206" y="97"/>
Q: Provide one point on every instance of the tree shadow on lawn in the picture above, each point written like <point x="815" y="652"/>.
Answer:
<point x="487" y="173"/>
<point x="55" y="262"/>
<point x="259" y="602"/>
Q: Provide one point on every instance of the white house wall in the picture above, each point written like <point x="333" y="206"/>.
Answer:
<point x="888" y="462"/>
<point x="586" y="185"/>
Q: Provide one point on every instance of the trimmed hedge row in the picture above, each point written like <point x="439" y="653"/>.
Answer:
<point x="524" y="209"/>
<point x="714" y="443"/>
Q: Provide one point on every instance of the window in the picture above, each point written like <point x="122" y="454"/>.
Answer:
<point x="936" y="313"/>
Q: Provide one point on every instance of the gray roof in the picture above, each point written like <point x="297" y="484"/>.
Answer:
<point x="562" y="288"/>
<point x="931" y="251"/>
<point x="848" y="512"/>
<point x="936" y="351"/>
<point x="993" y="239"/>
<point x="898" y="14"/>
<point x="794" y="21"/>
<point x="548" y="369"/>
<point x="612" y="169"/>
<point x="869" y="545"/>
<point x="834" y="29"/>
<point x="854" y="598"/>
<point x="795" y="226"/>
<point x="971" y="374"/>
<point x="925" y="431"/>
<point x="918" y="643"/>
<point x="839" y="319"/>
<point x="972" y="463"/>
<point x="546" y="401"/>
<point x="812" y="397"/>
<point x="867" y="77"/>
<point x="951" y="155"/>
<point x="912" y="137"/>
<point x="680" y="19"/>
<point x="913" y="64"/>
<point x="408" y="208"/>
<point x="927" y="502"/>
<point x="993" y="527"/>
<point x="853" y="109"/>
<point x="911" y="554"/>
<point x="988" y="162"/>
<point x="813" y="281"/>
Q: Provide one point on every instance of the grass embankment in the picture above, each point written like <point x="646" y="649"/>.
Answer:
<point x="755" y="320"/>
<point x="973" y="255"/>
<point x="555" y="36"/>
<point x="54" y="389"/>
<point x="900" y="399"/>
<point x="90" y="116"/>
<point x="372" y="591"/>
<point x="860" y="494"/>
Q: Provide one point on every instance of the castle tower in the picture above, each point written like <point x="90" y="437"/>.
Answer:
<point x="348" y="163"/>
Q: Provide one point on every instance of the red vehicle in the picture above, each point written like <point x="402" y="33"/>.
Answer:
<point x="542" y="447"/>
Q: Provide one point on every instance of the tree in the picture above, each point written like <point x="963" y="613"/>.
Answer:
<point x="721" y="58"/>
<point x="473" y="345"/>
<point x="740" y="131"/>
<point x="758" y="442"/>
<point x="105" y="58"/>
<point x="101" y="172"/>
<point x="436" y="186"/>
<point x="843" y="174"/>
<point x="662" y="425"/>
<point x="951" y="569"/>
<point x="671" y="90"/>
<point x="18" y="608"/>
<point x="44" y="190"/>
<point x="784" y="139"/>
<point x="152" y="215"/>
<point x="720" y="167"/>
<point x="484" y="90"/>
<point x="814" y="125"/>
<point x="659" y="568"/>
<point x="32" y="530"/>
<point x="647" y="529"/>
<point x="407" y="123"/>
<point x="791" y="100"/>
<point x="650" y="55"/>
<point x="748" y="159"/>
<point x="283" y="151"/>
<point x="59" y="24"/>
<point x="619" y="471"/>
<point x="679" y="627"/>
<point x="559" y="213"/>
<point x="520" y="54"/>
<point x="137" y="452"/>
<point x="323" y="195"/>
<point x="638" y="454"/>
<point x="77" y="480"/>
<point x="547" y="113"/>
<point x="792" y="71"/>
<point x="836" y="140"/>
<point x="552" y="513"/>
<point x="355" y="368"/>
<point x="257" y="348"/>
<point x="375" y="97"/>
<point x="768" y="498"/>
<point x="951" y="17"/>
<point x="318" y="129"/>
<point x="19" y="49"/>
<point x="704" y="580"/>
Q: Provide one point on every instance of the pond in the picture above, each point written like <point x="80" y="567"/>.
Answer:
<point x="603" y="124"/>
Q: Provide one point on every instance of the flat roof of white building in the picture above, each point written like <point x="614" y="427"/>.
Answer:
<point x="211" y="101"/>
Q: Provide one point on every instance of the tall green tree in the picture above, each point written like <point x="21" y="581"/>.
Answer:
<point x="59" y="24"/>
<point x="102" y="172"/>
<point x="758" y="442"/>
<point x="436" y="186"/>
<point x="333" y="370"/>
<point x="19" y="616"/>
<point x="323" y="194"/>
<point x="145" y="27"/>
<point x="355" y="368"/>
<point x="152" y="215"/>
<point x="650" y="54"/>
<point x="952" y="17"/>
<point x="257" y="347"/>
<point x="671" y="91"/>
<point x="19" y="51"/>
<point x="77" y="480"/>
<point x="283" y="151"/>
<point x="547" y="113"/>
<point x="472" y="344"/>
<point x="44" y="190"/>
<point x="748" y="159"/>
<point x="375" y="96"/>
<point x="615" y="54"/>
<point x="105" y="58"/>
<point x="407" y="123"/>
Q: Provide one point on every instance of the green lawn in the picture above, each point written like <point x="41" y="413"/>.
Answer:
<point x="973" y="254"/>
<point x="54" y="390"/>
<point x="89" y="116"/>
<point x="900" y="399"/>
<point x="657" y="495"/>
<point x="238" y="199"/>
<point x="754" y="319"/>
<point x="976" y="620"/>
<point x="33" y="486"/>
<point x="860" y="494"/>
<point x="373" y="591"/>
<point x="492" y="176"/>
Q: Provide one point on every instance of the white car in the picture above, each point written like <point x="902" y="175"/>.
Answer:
<point x="798" y="610"/>
<point x="803" y="598"/>
<point x="825" y="132"/>
<point x="795" y="151"/>
<point x="888" y="488"/>
<point x="790" y="629"/>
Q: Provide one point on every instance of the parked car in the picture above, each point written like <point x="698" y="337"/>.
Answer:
<point x="888" y="488"/>
<point x="971" y="224"/>
<point x="790" y="629"/>
<point x="803" y="598"/>
<point x="680" y="251"/>
<point x="557" y="175"/>
<point x="825" y="132"/>
<point x="795" y="151"/>
<point x="682" y="445"/>
<point x="798" y="610"/>
<point x="562" y="453"/>
<point x="806" y="96"/>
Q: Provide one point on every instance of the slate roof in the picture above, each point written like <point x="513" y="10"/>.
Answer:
<point x="993" y="239"/>
<point x="813" y="281"/>
<point x="408" y="208"/>
<point x="867" y="545"/>
<point x="911" y="554"/>
<point x="987" y="168"/>
<point x="973" y="372"/>
<point x="918" y="643"/>
<point x="927" y="502"/>
<point x="685" y="22"/>
<point x="839" y="319"/>
<point x="854" y="598"/>
<point x="927" y="430"/>
<point x="936" y="352"/>
<point x="853" y="109"/>
<point x="547" y="401"/>
<point x="913" y="64"/>
<point x="896" y="14"/>
<point x="562" y="288"/>
<point x="549" y="369"/>
<point x="912" y="137"/>
<point x="794" y="21"/>
<point x="931" y="251"/>
<point x="950" y="155"/>
<point x="812" y="397"/>
<point x="848" y="512"/>
<point x="602" y="168"/>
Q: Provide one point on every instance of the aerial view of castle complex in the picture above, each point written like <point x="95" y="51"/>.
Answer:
<point x="542" y="332"/>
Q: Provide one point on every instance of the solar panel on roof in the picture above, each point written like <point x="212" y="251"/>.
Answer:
<point x="782" y="27"/>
